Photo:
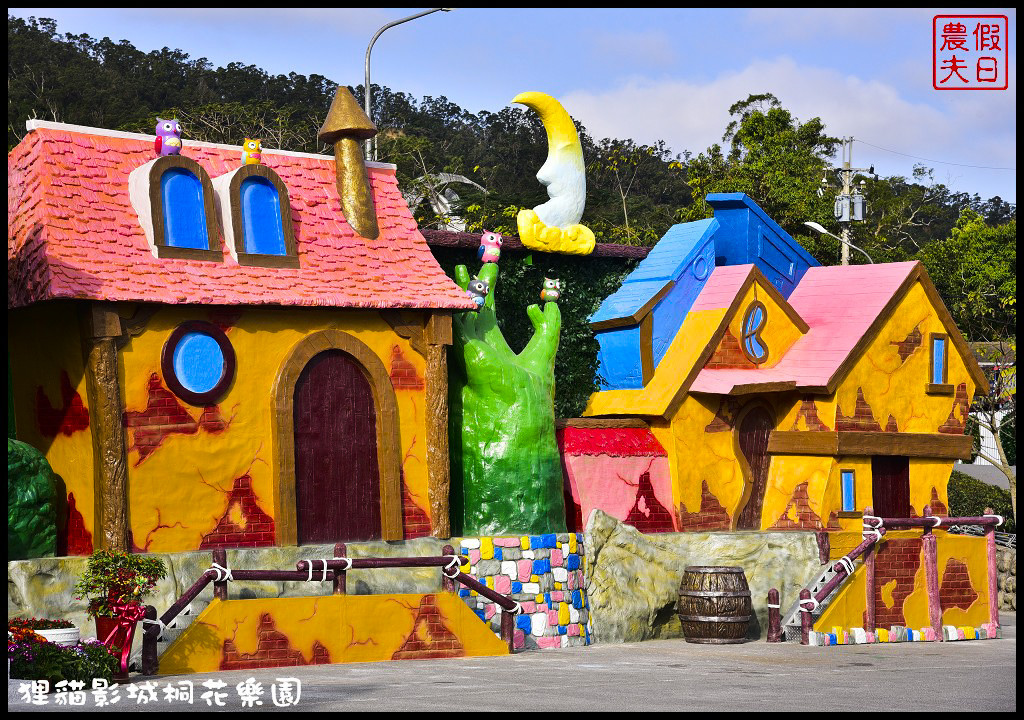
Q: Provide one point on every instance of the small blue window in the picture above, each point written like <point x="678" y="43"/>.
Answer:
<point x="938" y="359"/>
<point x="753" y="345"/>
<point x="849" y="494"/>
<point x="184" y="211"/>
<point x="261" y="217"/>
<point x="198" y="362"/>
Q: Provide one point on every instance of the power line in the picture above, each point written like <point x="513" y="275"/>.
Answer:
<point x="941" y="162"/>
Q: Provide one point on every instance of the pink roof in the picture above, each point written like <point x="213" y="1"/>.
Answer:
<point x="73" y="233"/>
<point x="839" y="304"/>
<point x="721" y="288"/>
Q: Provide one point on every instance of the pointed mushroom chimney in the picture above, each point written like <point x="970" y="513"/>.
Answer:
<point x="346" y="125"/>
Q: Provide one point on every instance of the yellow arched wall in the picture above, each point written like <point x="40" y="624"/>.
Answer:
<point x="44" y="341"/>
<point x="178" y="494"/>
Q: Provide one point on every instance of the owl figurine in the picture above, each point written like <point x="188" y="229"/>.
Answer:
<point x="490" y="247"/>
<point x="251" y="151"/>
<point x="168" y="137"/>
<point x="552" y="290"/>
<point x="477" y="291"/>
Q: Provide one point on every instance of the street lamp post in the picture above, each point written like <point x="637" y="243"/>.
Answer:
<point x="846" y="244"/>
<point x="370" y="148"/>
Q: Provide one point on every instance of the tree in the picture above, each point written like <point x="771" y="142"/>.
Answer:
<point x="776" y="160"/>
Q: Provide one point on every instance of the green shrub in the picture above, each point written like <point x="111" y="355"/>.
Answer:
<point x="969" y="497"/>
<point x="35" y="660"/>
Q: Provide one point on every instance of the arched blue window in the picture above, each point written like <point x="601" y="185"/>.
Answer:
<point x="184" y="213"/>
<point x="261" y="217"/>
<point x="181" y="203"/>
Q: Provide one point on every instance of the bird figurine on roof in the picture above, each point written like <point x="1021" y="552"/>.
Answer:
<point x="477" y="291"/>
<point x="552" y="290"/>
<point x="168" y="137"/>
<point x="251" y="151"/>
<point x="490" y="247"/>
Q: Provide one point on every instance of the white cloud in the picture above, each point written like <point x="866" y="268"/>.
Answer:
<point x="977" y="130"/>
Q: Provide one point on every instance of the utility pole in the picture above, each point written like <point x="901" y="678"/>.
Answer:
<point x="850" y="204"/>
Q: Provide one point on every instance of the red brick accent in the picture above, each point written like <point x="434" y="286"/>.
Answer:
<point x="954" y="425"/>
<point x="70" y="417"/>
<point x="77" y="540"/>
<point x="429" y="637"/>
<point x="258" y="530"/>
<point x="729" y="354"/>
<point x="955" y="590"/>
<point x="891" y="426"/>
<point x="725" y="418"/>
<point x="807" y="519"/>
<point x="862" y="420"/>
<point x="809" y="412"/>
<point x="711" y="516"/>
<point x="273" y="650"/>
<point x="403" y="373"/>
<point x="657" y="518"/>
<point x="414" y="519"/>
<point x="909" y="344"/>
<point x="224" y="317"/>
<point x="896" y="560"/>
<point x="164" y="416"/>
<point x="939" y="508"/>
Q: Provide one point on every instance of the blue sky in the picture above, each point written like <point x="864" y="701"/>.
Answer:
<point x="645" y="74"/>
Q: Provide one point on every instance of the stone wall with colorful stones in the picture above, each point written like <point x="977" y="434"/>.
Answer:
<point x="545" y="575"/>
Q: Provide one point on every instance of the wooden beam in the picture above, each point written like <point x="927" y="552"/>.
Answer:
<point x="511" y="243"/>
<point x="437" y="335"/>
<point x="101" y="331"/>
<point x="926" y="445"/>
<point x="601" y="422"/>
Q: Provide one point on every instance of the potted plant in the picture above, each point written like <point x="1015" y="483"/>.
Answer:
<point x="30" y="657"/>
<point x="114" y="584"/>
<point x="61" y="632"/>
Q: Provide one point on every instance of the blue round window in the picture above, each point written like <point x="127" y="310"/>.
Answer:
<point x="198" y="362"/>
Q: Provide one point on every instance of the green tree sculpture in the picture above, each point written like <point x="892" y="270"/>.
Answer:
<point x="31" y="503"/>
<point x="506" y="471"/>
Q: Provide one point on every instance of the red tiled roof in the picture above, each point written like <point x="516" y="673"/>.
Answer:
<point x="73" y="233"/>
<point x="839" y="304"/>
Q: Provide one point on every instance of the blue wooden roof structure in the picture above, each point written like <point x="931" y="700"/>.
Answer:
<point x="636" y="324"/>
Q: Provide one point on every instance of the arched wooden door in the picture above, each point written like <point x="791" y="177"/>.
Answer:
<point x="753" y="432"/>
<point x="337" y="481"/>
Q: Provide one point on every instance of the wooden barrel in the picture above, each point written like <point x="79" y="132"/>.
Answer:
<point x="714" y="605"/>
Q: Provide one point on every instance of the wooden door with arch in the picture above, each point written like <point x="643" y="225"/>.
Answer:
<point x="753" y="427"/>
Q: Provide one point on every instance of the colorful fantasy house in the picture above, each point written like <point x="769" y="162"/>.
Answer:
<point x="777" y="394"/>
<point x="210" y="356"/>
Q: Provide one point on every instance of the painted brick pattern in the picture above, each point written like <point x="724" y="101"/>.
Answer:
<point x="415" y="521"/>
<point x="711" y="516"/>
<point x="274" y="650"/>
<point x="956" y="422"/>
<point x="648" y="515"/>
<point x="257" y="528"/>
<point x="896" y="564"/>
<point x="909" y="344"/>
<point x="809" y="413"/>
<point x="807" y="519"/>
<point x="729" y="354"/>
<point x="164" y="416"/>
<point x="862" y="419"/>
<point x="77" y="540"/>
<point x="69" y="418"/>
<point x="545" y="575"/>
<point x="403" y="373"/>
<point x="429" y="637"/>
<point x="725" y="417"/>
<point x="955" y="588"/>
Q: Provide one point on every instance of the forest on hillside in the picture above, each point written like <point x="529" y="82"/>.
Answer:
<point x="635" y="192"/>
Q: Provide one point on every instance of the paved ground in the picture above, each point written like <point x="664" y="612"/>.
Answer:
<point x="652" y="676"/>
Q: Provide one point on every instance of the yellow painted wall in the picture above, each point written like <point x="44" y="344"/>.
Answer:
<point x="779" y="332"/>
<point x="43" y="341"/>
<point x="847" y="609"/>
<point x="179" y="492"/>
<point x="351" y="628"/>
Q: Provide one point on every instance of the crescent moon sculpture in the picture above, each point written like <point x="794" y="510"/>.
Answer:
<point x="555" y="225"/>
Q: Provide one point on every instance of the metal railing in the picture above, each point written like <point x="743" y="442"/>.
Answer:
<point x="319" y="570"/>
